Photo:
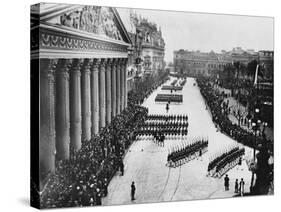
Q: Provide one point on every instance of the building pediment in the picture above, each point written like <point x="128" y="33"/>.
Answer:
<point x="65" y="28"/>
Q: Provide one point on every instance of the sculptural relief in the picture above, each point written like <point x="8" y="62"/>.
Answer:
<point x="93" y="19"/>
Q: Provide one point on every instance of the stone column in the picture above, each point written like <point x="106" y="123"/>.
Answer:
<point x="122" y="82"/>
<point x="125" y="82"/>
<point x="118" y="85"/>
<point x="102" y="92"/>
<point x="95" y="96"/>
<point x="62" y="109"/>
<point x="75" y="105"/>
<point x="86" y="99"/>
<point x="113" y="88"/>
<point x="108" y="91"/>
<point x="47" y="142"/>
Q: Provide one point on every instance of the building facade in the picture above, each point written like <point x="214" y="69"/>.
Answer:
<point x="196" y="63"/>
<point x="149" y="45"/>
<point x="153" y="47"/>
<point x="79" y="54"/>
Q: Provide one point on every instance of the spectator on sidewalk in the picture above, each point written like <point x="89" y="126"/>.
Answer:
<point x="241" y="186"/>
<point x="226" y="183"/>
<point x="236" y="186"/>
<point x="133" y="190"/>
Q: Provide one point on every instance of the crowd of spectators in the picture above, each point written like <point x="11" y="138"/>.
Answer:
<point x="214" y="100"/>
<point x="83" y="179"/>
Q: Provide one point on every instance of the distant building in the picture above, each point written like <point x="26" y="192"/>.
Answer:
<point x="238" y="54"/>
<point x="146" y="54"/>
<point x="196" y="63"/>
<point x="152" y="47"/>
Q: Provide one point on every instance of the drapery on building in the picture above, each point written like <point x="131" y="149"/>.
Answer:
<point x="79" y="57"/>
<point x="196" y="63"/>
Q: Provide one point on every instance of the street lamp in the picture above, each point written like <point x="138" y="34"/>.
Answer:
<point x="256" y="123"/>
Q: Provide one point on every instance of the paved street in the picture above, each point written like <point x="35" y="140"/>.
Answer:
<point x="145" y="161"/>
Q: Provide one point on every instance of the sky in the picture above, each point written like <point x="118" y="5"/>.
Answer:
<point x="206" y="32"/>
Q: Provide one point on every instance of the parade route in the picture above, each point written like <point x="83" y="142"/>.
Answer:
<point x="145" y="161"/>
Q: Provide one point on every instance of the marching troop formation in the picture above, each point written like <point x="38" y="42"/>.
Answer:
<point x="179" y="82"/>
<point x="187" y="152"/>
<point x="177" y="98"/>
<point x="225" y="161"/>
<point x="163" y="118"/>
<point x="169" y="87"/>
<point x="161" y="127"/>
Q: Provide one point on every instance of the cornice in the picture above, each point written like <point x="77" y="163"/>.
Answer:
<point x="58" y="41"/>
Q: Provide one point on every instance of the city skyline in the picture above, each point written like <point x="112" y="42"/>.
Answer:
<point x="207" y="32"/>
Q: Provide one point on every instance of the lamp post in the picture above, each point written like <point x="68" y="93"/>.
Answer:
<point x="256" y="123"/>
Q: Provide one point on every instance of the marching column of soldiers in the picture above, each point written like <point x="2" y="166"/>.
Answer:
<point x="161" y="127"/>
<point x="163" y="118"/>
<point x="224" y="161"/>
<point x="175" y="98"/>
<point x="186" y="152"/>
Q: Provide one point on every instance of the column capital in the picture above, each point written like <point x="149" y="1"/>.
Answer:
<point x="118" y="62"/>
<point x="124" y="61"/>
<point x="109" y="63"/>
<point x="63" y="66"/>
<point x="77" y="64"/>
<point x="103" y="64"/>
<point x="114" y="63"/>
<point x="96" y="64"/>
<point x="48" y="66"/>
<point x="87" y="64"/>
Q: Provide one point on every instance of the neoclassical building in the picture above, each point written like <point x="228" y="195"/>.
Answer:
<point x="79" y="57"/>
